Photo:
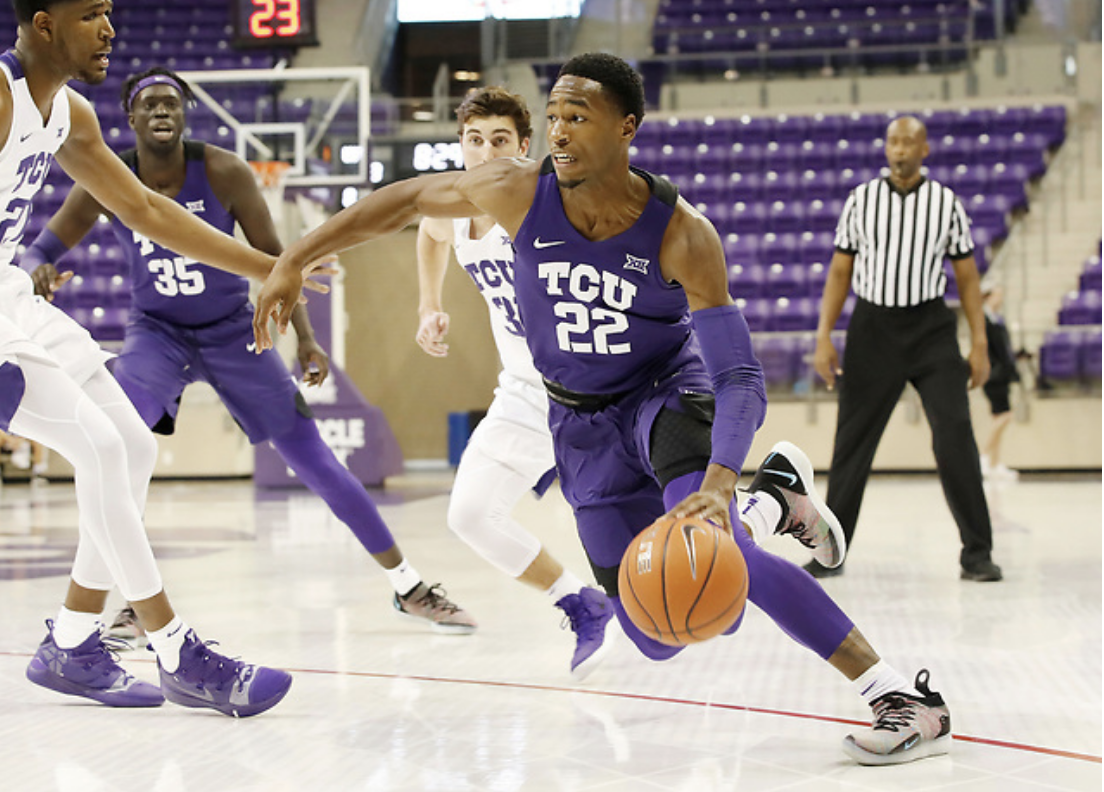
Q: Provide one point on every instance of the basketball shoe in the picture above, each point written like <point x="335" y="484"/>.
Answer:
<point x="588" y="613"/>
<point x="431" y="604"/>
<point x="906" y="728"/>
<point x="90" y="670"/>
<point x="206" y="678"/>
<point x="787" y="476"/>
<point x="128" y="629"/>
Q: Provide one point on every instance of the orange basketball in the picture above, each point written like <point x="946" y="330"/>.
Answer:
<point x="683" y="581"/>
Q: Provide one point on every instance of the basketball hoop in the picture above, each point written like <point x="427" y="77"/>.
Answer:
<point x="271" y="175"/>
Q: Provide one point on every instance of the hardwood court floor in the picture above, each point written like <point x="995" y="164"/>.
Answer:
<point x="380" y="703"/>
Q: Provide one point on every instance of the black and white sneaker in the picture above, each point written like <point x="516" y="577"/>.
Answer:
<point x="787" y="476"/>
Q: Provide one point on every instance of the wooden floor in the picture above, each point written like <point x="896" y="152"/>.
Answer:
<point x="381" y="703"/>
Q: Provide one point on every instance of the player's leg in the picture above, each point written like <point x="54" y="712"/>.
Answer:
<point x="314" y="463"/>
<point x="264" y="399"/>
<point x="484" y="494"/>
<point x="606" y="531"/>
<point x="112" y="546"/>
<point x="679" y="443"/>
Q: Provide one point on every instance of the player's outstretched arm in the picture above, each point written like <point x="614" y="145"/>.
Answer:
<point x="434" y="242"/>
<point x="86" y="158"/>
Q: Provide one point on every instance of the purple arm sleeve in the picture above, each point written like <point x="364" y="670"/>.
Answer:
<point x="737" y="382"/>
<point x="46" y="248"/>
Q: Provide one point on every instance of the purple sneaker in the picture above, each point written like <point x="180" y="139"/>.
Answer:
<point x="90" y="670"/>
<point x="205" y="678"/>
<point x="588" y="612"/>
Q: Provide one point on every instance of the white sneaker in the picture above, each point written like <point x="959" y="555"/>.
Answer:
<point x="906" y="728"/>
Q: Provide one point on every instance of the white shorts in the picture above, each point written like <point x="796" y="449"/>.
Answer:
<point x="515" y="430"/>
<point x="32" y="327"/>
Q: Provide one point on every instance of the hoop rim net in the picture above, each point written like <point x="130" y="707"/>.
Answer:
<point x="270" y="173"/>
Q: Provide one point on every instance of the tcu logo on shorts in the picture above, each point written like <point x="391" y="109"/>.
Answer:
<point x="594" y="319"/>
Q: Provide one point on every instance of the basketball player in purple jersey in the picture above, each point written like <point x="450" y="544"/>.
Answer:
<point x="510" y="452"/>
<point x="190" y="322"/>
<point x="655" y="392"/>
<point x="55" y="390"/>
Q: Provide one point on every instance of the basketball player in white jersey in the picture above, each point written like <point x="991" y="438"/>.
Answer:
<point x="510" y="452"/>
<point x="55" y="390"/>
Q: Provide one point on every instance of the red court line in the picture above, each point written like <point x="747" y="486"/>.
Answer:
<point x="697" y="703"/>
<point x="1037" y="749"/>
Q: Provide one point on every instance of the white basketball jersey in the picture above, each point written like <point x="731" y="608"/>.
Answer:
<point x="25" y="158"/>
<point x="490" y="263"/>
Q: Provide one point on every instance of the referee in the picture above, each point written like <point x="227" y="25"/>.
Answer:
<point x="890" y="244"/>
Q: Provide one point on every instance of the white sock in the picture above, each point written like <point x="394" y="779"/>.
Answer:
<point x="565" y="584"/>
<point x="404" y="578"/>
<point x="879" y="679"/>
<point x="72" y="628"/>
<point x="167" y="643"/>
<point x="761" y="513"/>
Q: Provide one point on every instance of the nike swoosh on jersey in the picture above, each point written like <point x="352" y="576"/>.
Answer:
<point x="539" y="245"/>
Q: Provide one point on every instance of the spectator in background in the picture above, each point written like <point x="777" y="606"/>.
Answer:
<point x="1002" y="373"/>
<point x="890" y="244"/>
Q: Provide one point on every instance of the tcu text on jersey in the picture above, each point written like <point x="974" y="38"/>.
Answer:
<point x="498" y="276"/>
<point x="592" y="315"/>
<point x="31" y="173"/>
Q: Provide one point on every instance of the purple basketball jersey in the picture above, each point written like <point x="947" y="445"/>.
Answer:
<point x="169" y="286"/>
<point x="598" y="316"/>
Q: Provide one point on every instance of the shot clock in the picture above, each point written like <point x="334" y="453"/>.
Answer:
<point x="274" y="23"/>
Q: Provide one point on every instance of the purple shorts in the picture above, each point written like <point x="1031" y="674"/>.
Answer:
<point x="604" y="466"/>
<point x="159" y="359"/>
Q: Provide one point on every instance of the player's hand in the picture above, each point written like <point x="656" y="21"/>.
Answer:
<point x="322" y="267"/>
<point x="826" y="362"/>
<point x="431" y="333"/>
<point x="314" y="362"/>
<point x="48" y="280"/>
<point x="979" y="366"/>
<point x="707" y="504"/>
<point x="279" y="294"/>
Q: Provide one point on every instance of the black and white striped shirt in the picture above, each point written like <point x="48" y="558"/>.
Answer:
<point x="899" y="240"/>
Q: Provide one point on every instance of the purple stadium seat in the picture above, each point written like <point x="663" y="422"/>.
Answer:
<point x="742" y="248"/>
<point x="757" y="312"/>
<point x="785" y="280"/>
<point x="786" y="217"/>
<point x="817" y="155"/>
<point x="746" y="187"/>
<point x="720" y="131"/>
<point x="826" y="128"/>
<point x="817" y="245"/>
<point x="795" y="313"/>
<point x="820" y="185"/>
<point x="1059" y="357"/>
<point x="816" y="275"/>
<point x="782" y="185"/>
<point x="1090" y="275"/>
<point x="747" y="218"/>
<point x="823" y="216"/>
<point x="1089" y="355"/>
<point x="780" y="358"/>
<point x="746" y="281"/>
<point x="1080" y="308"/>
<point x="782" y="248"/>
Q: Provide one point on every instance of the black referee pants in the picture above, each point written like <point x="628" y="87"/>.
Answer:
<point x="887" y="348"/>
